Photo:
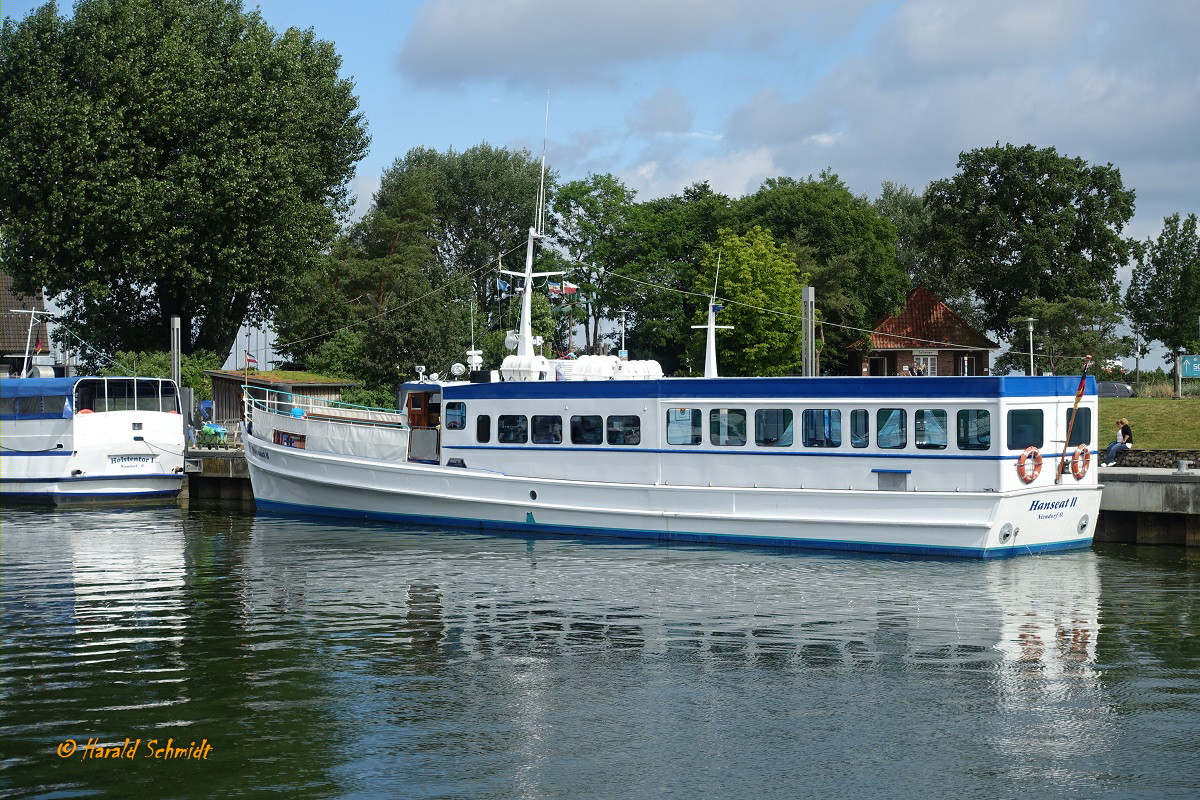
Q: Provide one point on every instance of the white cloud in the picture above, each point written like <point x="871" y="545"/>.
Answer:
<point x="734" y="174"/>
<point x="542" y="42"/>
<point x="667" y="111"/>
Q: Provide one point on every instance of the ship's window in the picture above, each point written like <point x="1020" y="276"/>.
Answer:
<point x="891" y="428"/>
<point x="120" y="395"/>
<point x="483" y="428"/>
<point x="456" y="416"/>
<point x="414" y="400"/>
<point x="684" y="426"/>
<point x="1081" y="433"/>
<point x="822" y="427"/>
<point x="54" y="405"/>
<point x="147" y="395"/>
<point x="773" y="427"/>
<point x="624" y="429"/>
<point x="727" y="427"/>
<point x="547" y="429"/>
<point x="929" y="429"/>
<point x="860" y="428"/>
<point x="1024" y="428"/>
<point x="29" y="406"/>
<point x="169" y="400"/>
<point x="974" y="429"/>
<point x="587" y="429"/>
<point x="512" y="429"/>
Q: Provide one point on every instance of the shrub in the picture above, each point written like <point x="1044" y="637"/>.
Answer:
<point x="1156" y="390"/>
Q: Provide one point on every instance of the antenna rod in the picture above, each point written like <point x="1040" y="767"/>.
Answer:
<point x="539" y="217"/>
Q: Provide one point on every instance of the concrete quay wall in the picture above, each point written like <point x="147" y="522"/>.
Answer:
<point x="1149" y="505"/>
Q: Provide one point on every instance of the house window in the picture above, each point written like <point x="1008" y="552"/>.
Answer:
<point x="926" y="364"/>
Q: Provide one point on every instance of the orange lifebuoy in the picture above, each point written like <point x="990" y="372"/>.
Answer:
<point x="1081" y="461"/>
<point x="1029" y="465"/>
<point x="84" y="411"/>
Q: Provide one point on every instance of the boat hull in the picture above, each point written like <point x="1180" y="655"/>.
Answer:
<point x="972" y="524"/>
<point x="101" y="490"/>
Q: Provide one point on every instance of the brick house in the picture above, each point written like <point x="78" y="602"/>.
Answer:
<point x="926" y="334"/>
<point x="14" y="331"/>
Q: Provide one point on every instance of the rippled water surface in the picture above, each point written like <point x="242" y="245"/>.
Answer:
<point x="324" y="660"/>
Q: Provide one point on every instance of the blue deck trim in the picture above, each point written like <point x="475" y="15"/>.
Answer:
<point x="54" y="452"/>
<point x="627" y="533"/>
<point x="894" y="471"/>
<point x="732" y="389"/>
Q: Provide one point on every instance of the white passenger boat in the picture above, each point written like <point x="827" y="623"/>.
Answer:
<point x="948" y="466"/>
<point x="90" y="439"/>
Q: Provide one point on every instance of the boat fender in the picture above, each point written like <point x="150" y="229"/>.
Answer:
<point x="1081" y="461"/>
<point x="1029" y="465"/>
<point x="84" y="411"/>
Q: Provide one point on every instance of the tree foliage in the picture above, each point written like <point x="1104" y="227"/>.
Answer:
<point x="170" y="157"/>
<point x="1026" y="222"/>
<point x="157" y="364"/>
<point x="760" y="284"/>
<point x="1164" y="294"/>
<point x="483" y="202"/>
<point x="1065" y="331"/>
<point x="593" y="220"/>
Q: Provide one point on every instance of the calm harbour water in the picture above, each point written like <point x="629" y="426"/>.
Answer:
<point x="321" y="659"/>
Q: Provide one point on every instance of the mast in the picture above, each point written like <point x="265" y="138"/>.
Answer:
<point x="710" y="344"/>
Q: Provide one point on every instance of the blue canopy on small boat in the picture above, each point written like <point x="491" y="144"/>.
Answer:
<point x="38" y="387"/>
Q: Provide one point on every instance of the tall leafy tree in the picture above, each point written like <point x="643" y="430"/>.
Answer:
<point x="174" y="157"/>
<point x="1164" y="295"/>
<point x="484" y="202"/>
<point x="669" y="237"/>
<point x="1065" y="331"/>
<point x="593" y="217"/>
<point x="760" y="284"/>
<point x="852" y="247"/>
<point x="1027" y="222"/>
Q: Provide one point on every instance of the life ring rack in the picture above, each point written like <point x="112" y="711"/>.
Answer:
<point x="1080" y="461"/>
<point x="1029" y="465"/>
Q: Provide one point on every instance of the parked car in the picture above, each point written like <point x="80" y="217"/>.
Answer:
<point x="1114" y="389"/>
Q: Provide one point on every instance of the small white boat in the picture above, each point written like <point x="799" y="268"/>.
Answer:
<point x="945" y="466"/>
<point x="90" y="439"/>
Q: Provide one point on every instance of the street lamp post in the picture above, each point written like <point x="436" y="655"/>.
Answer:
<point x="1029" y="321"/>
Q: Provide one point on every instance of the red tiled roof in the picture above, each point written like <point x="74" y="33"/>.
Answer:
<point x="15" y="327"/>
<point x="927" y="322"/>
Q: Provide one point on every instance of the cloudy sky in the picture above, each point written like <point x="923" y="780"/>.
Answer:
<point x="663" y="93"/>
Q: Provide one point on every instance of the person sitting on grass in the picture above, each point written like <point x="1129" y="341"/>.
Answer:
<point x="1124" y="441"/>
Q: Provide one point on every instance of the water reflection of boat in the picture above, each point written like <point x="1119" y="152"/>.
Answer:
<point x="90" y="439"/>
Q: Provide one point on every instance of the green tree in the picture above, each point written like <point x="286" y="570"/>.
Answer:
<point x="668" y="238"/>
<point x="1163" y="298"/>
<point x="1065" y="331"/>
<point x="1026" y="222"/>
<point x="760" y="285"/>
<point x="853" y="249"/>
<point x="164" y="158"/>
<point x="484" y="201"/>
<point x="157" y="364"/>
<point x="905" y="209"/>
<point x="593" y="232"/>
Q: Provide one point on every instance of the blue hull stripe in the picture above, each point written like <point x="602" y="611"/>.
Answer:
<point x="671" y="536"/>
<point x="89" y="497"/>
<point x="7" y="453"/>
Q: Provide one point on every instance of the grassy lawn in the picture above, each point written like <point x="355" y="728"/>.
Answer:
<point x="1157" y="423"/>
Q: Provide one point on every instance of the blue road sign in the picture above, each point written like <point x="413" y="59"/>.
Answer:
<point x="1191" y="366"/>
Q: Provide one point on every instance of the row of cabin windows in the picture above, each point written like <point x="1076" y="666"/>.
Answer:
<point x="774" y="427"/>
